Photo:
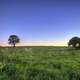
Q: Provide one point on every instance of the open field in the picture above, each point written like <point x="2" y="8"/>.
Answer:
<point x="39" y="63"/>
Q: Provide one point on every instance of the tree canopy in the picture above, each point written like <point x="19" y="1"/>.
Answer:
<point x="13" y="40"/>
<point x="74" y="42"/>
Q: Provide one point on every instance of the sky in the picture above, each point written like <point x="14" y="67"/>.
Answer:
<point x="39" y="22"/>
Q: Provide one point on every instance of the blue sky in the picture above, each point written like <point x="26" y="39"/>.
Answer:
<point x="39" y="22"/>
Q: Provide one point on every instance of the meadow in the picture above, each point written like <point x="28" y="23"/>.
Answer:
<point x="39" y="63"/>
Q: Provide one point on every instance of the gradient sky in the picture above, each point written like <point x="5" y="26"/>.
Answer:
<point x="39" y="22"/>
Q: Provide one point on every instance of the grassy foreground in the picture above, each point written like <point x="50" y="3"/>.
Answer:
<point x="39" y="63"/>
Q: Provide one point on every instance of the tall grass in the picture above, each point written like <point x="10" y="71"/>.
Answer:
<point x="39" y="63"/>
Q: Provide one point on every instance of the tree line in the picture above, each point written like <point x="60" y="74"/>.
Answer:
<point x="73" y="42"/>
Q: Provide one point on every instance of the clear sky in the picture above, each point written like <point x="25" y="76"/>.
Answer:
<point x="39" y="22"/>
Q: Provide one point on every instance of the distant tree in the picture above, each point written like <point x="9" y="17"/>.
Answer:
<point x="74" y="42"/>
<point x="13" y="40"/>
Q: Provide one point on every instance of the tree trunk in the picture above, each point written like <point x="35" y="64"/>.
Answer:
<point x="14" y="45"/>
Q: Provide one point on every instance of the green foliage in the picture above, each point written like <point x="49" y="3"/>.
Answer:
<point x="13" y="40"/>
<point x="37" y="74"/>
<point x="75" y="42"/>
<point x="39" y="63"/>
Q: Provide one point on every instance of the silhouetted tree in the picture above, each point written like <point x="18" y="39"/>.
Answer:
<point x="74" y="42"/>
<point x="13" y="40"/>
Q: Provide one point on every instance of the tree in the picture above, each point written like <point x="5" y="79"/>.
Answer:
<point x="74" y="42"/>
<point x="13" y="40"/>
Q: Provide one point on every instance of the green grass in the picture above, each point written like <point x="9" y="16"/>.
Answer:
<point x="39" y="63"/>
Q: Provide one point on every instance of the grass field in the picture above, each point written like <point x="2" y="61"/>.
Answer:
<point x="39" y="63"/>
